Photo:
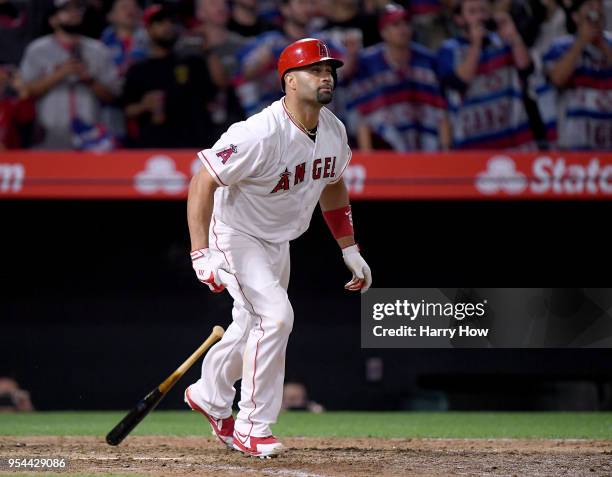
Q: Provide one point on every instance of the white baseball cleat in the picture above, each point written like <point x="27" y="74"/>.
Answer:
<point x="222" y="428"/>
<point x="262" y="447"/>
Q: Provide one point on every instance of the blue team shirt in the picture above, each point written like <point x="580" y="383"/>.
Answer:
<point x="124" y="53"/>
<point x="487" y="113"/>
<point x="584" y="106"/>
<point x="404" y="106"/>
<point x="257" y="93"/>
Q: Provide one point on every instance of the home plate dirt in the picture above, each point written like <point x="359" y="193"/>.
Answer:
<point x="316" y="457"/>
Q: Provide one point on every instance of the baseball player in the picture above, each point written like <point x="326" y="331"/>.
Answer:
<point x="257" y="191"/>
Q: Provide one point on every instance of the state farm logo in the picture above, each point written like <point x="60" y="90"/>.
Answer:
<point x="548" y="175"/>
<point x="501" y="176"/>
<point x="160" y="175"/>
<point x="354" y="178"/>
<point x="557" y="176"/>
<point x="11" y="177"/>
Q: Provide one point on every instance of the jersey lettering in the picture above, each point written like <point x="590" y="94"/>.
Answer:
<point x="321" y="168"/>
<point x="326" y="171"/>
<point x="283" y="183"/>
<point x="316" y="169"/>
<point x="300" y="171"/>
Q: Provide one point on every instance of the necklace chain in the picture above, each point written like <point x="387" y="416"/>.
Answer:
<point x="310" y="132"/>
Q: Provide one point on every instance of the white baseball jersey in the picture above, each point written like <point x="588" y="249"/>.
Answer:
<point x="272" y="174"/>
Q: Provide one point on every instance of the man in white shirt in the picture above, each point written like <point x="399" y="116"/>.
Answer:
<point x="70" y="76"/>
<point x="259" y="187"/>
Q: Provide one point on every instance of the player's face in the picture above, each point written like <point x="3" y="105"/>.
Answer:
<point x="315" y="82"/>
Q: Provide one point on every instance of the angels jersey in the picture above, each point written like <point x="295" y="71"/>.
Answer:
<point x="272" y="174"/>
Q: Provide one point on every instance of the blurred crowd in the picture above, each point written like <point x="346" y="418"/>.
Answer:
<point x="419" y="75"/>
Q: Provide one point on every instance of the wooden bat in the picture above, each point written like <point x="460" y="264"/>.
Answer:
<point x="148" y="403"/>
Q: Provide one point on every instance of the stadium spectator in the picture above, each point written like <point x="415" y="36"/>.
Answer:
<point x="551" y="28"/>
<point x="128" y="43"/>
<point x="166" y="96"/>
<point x="580" y="67"/>
<point x="12" y="397"/>
<point x="436" y="26"/>
<point x="13" y="31"/>
<point x="269" y="11"/>
<point x="94" y="17"/>
<point x="125" y="37"/>
<point x="527" y="16"/>
<point x="257" y="83"/>
<point x="394" y="95"/>
<point x="346" y="16"/>
<point x="245" y="20"/>
<point x="295" y="397"/>
<point x="210" y="39"/>
<point x="211" y="35"/>
<point x="483" y="72"/>
<point x="16" y="110"/>
<point x="69" y="75"/>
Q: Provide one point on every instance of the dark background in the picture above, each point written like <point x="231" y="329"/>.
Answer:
<point x="98" y="303"/>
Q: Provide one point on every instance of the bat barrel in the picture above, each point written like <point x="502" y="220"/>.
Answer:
<point x="146" y="405"/>
<point x="129" y="422"/>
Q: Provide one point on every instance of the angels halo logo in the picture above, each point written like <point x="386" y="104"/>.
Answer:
<point x="226" y="153"/>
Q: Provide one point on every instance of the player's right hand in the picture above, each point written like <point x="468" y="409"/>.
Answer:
<point x="207" y="264"/>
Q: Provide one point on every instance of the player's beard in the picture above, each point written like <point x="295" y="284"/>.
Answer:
<point x="323" y="97"/>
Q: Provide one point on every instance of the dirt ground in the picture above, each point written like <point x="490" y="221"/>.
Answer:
<point x="310" y="457"/>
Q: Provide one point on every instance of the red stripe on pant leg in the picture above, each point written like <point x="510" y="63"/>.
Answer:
<point x="260" y="326"/>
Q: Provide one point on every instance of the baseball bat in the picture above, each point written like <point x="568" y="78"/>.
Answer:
<point x="148" y="403"/>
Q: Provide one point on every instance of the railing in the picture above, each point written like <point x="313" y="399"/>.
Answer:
<point x="165" y="174"/>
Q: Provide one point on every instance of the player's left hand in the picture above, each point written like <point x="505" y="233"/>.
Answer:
<point x="362" y="275"/>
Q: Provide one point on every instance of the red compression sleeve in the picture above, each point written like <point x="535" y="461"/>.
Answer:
<point x="339" y="221"/>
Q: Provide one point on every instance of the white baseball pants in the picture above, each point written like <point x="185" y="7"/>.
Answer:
<point x="253" y="346"/>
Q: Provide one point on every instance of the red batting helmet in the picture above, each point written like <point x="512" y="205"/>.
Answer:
<point x="303" y="53"/>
